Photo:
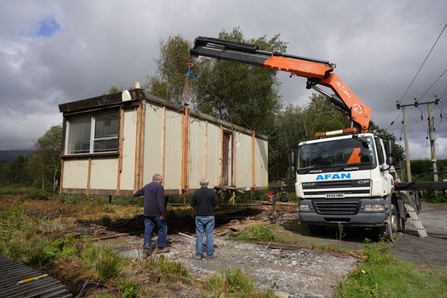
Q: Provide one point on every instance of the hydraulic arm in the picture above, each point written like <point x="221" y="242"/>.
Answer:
<point x="317" y="72"/>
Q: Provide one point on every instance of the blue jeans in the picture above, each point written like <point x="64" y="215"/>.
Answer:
<point x="149" y="225"/>
<point x="204" y="224"/>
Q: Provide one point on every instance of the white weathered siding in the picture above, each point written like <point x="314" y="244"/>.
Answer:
<point x="75" y="174"/>
<point x="152" y="141"/>
<point x="103" y="173"/>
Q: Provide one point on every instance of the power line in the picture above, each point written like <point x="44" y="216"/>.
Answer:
<point x="433" y="84"/>
<point x="422" y="64"/>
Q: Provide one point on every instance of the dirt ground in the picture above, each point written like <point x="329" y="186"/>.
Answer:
<point x="295" y="270"/>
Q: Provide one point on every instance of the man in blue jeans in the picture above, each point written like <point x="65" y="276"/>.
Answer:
<point x="203" y="204"/>
<point x="154" y="214"/>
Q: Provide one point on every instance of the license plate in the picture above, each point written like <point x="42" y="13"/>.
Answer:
<point x="334" y="195"/>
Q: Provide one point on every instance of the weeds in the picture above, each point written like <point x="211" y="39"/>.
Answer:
<point x="103" y="258"/>
<point x="382" y="275"/>
<point x="171" y="270"/>
<point x="234" y="283"/>
<point x="257" y="233"/>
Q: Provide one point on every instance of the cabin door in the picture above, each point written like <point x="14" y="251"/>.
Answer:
<point x="227" y="159"/>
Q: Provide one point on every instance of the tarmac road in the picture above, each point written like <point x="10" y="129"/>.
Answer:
<point x="428" y="250"/>
<point x="408" y="246"/>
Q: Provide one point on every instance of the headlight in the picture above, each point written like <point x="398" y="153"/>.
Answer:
<point x="304" y="207"/>
<point x="375" y="207"/>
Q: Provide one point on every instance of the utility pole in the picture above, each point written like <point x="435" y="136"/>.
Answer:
<point x="432" y="135"/>
<point x="407" y="148"/>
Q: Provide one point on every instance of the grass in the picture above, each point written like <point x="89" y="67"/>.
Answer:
<point x="382" y="275"/>
<point x="233" y="282"/>
<point x="34" y="230"/>
<point x="36" y="234"/>
<point x="256" y="233"/>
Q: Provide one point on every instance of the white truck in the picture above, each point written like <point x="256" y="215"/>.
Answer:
<point x="343" y="177"/>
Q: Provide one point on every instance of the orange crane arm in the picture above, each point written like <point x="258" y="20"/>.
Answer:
<point x="316" y="71"/>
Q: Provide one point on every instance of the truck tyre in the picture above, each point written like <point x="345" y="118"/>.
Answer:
<point x="402" y="224"/>
<point x="392" y="224"/>
<point x="316" y="229"/>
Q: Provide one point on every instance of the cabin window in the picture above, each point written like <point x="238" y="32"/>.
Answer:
<point x="93" y="134"/>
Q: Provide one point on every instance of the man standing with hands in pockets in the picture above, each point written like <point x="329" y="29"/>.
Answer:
<point x="154" y="215"/>
<point x="203" y="204"/>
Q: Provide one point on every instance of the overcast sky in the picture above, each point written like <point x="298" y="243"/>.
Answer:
<point x="53" y="52"/>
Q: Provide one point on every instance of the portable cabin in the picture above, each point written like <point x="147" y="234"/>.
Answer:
<point x="114" y="144"/>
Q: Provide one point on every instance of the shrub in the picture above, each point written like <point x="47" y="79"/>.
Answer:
<point x="257" y="233"/>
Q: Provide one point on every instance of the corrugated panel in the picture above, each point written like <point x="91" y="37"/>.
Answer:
<point x="13" y="272"/>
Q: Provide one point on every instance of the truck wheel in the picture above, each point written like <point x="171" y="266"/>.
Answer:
<point x="393" y="224"/>
<point x="316" y="229"/>
<point x="402" y="224"/>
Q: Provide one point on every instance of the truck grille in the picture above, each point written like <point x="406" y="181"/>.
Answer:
<point x="337" y="207"/>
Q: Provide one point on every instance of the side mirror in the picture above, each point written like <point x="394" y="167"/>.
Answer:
<point x="292" y="162"/>
<point x="389" y="147"/>
<point x="390" y="160"/>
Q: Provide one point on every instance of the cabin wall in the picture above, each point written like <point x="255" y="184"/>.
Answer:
<point x="75" y="173"/>
<point x="152" y="141"/>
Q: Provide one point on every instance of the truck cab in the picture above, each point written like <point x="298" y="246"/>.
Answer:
<point x="344" y="180"/>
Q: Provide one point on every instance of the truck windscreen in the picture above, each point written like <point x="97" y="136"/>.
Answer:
<point x="336" y="153"/>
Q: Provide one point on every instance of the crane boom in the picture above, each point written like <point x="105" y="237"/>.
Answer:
<point x="317" y="72"/>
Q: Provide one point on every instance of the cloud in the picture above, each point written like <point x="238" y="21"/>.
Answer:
<point x="54" y="52"/>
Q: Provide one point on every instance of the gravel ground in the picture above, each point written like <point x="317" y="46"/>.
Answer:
<point x="299" y="273"/>
<point x="290" y="273"/>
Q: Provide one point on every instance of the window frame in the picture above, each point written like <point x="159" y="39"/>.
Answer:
<point x="92" y="138"/>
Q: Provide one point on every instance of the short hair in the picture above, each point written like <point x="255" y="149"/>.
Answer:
<point x="204" y="181"/>
<point x="157" y="177"/>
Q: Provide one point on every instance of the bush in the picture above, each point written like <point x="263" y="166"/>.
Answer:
<point x="103" y="259"/>
<point x="257" y="233"/>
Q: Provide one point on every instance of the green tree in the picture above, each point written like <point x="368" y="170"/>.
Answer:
<point x="115" y="89"/>
<point x="45" y="162"/>
<point x="172" y="65"/>
<point x="239" y="93"/>
<point x="15" y="172"/>
<point x="288" y="132"/>
<point x="322" y="115"/>
<point x="399" y="151"/>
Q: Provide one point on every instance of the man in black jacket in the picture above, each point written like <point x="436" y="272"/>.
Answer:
<point x="203" y="204"/>
<point x="154" y="214"/>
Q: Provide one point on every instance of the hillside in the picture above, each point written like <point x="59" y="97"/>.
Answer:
<point x="10" y="155"/>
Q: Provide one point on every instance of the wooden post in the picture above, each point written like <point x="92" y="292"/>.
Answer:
<point x="120" y="152"/>
<point x="185" y="152"/>
<point x="137" y="151"/>
<point x="220" y="178"/>
<point x="89" y="171"/>
<point x="253" y="160"/>
<point x="62" y="176"/>
<point x="163" y="141"/>
<point x="205" y="156"/>
<point x="233" y="159"/>
<point x="142" y="131"/>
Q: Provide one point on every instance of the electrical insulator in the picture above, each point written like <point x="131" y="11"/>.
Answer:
<point x="398" y="106"/>
<point x="422" y="117"/>
<point x="392" y="122"/>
